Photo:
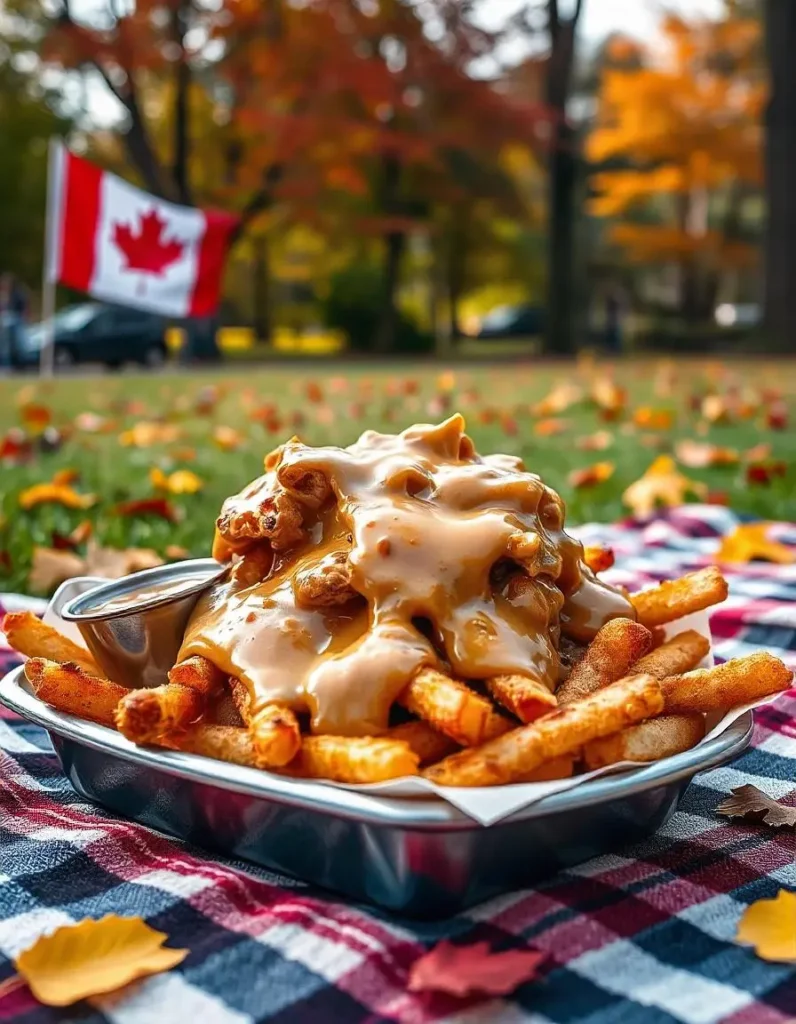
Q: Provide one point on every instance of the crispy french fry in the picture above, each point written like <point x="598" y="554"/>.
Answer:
<point x="70" y="688"/>
<point x="675" y="598"/>
<point x="27" y="634"/>
<point x="647" y="741"/>
<point x="359" y="760"/>
<point x="679" y="654"/>
<point x="424" y="740"/>
<point x="275" y="735"/>
<point x="242" y="698"/>
<point x="559" y="768"/>
<point x="515" y="755"/>
<point x="197" y="674"/>
<point x="144" y="716"/>
<point x="658" y="634"/>
<point x="735" y="682"/>
<point x="619" y="644"/>
<point x="453" y="708"/>
<point x="598" y="558"/>
<point x="222" y="742"/>
<point x="528" y="699"/>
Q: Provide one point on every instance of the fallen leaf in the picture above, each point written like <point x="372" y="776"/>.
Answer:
<point x="227" y="438"/>
<point x="662" y="484"/>
<point x="207" y="400"/>
<point x="598" y="558"/>
<point x="648" y="418"/>
<point x="715" y="409"/>
<point x="462" y="970"/>
<point x="54" y="494"/>
<point x="770" y="926"/>
<point x="758" y="452"/>
<point x="50" y="568"/>
<point x="590" y="476"/>
<point x="596" y="442"/>
<point x="749" y="800"/>
<point x="550" y="427"/>
<point x="160" y="507"/>
<point x="446" y="381"/>
<point x="73" y="540"/>
<point x="313" y="392"/>
<point x="90" y="423"/>
<point x="777" y="415"/>
<point x="181" y="481"/>
<point x="750" y="542"/>
<point x="510" y="426"/>
<point x="146" y="434"/>
<point x="93" y="957"/>
<point x="665" y="378"/>
<point x="16" y="447"/>
<point x="701" y="454"/>
<point x="65" y="477"/>
<point x="558" y="400"/>
<point x="609" y="397"/>
<point x="116" y="562"/>
<point x="175" y="552"/>
<point x="765" y="472"/>
<point x="35" y="418"/>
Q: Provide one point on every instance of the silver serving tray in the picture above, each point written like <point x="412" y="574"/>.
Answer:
<point x="416" y="856"/>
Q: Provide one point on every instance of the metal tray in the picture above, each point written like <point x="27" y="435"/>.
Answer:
<point x="419" y="857"/>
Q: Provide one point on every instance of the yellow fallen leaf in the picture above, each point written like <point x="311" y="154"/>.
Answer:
<point x="93" y="957"/>
<point x="145" y="434"/>
<point x="227" y="438"/>
<point x="558" y="400"/>
<point x="662" y="484"/>
<point x="648" y="418"/>
<point x="749" y="542"/>
<point x="59" y="494"/>
<point x="770" y="926"/>
<point x="181" y="481"/>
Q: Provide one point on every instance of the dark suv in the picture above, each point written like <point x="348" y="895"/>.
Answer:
<point x="93" y="332"/>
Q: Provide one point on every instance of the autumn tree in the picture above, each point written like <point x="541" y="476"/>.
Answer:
<point x="677" y="149"/>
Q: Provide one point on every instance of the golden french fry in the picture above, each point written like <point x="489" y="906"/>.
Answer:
<point x="27" y="634"/>
<point x="144" y="716"/>
<point x="453" y="708"/>
<point x="348" y="759"/>
<point x="647" y="741"/>
<point x="517" y="753"/>
<point x="675" y="598"/>
<point x="559" y="768"/>
<point x="242" y="697"/>
<point x="424" y="740"/>
<point x="70" y="688"/>
<point x="598" y="558"/>
<point x="276" y="736"/>
<point x="528" y="699"/>
<point x="619" y="644"/>
<point x="222" y="742"/>
<point x="679" y="654"/>
<point x="197" y="674"/>
<point x="735" y="682"/>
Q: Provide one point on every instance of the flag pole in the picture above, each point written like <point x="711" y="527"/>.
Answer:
<point x="52" y="238"/>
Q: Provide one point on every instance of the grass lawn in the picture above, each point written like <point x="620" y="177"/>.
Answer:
<point x="333" y="405"/>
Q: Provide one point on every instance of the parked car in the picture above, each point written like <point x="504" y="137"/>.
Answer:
<point x="93" y="332"/>
<point x="512" y="322"/>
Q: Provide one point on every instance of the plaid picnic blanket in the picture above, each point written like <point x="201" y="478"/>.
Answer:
<point x="644" y="935"/>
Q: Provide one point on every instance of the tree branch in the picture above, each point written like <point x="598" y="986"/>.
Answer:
<point x="577" y="13"/>
<point x="553" y="24"/>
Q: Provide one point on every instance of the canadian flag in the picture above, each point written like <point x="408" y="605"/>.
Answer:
<point x="122" y="245"/>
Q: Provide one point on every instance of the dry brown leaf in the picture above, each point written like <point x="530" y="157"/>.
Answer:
<point x="93" y="957"/>
<point x="770" y="926"/>
<point x="50" y="568"/>
<point x="596" y="442"/>
<point x="116" y="562"/>
<point x="750" y="542"/>
<point x="662" y="484"/>
<point x="748" y="800"/>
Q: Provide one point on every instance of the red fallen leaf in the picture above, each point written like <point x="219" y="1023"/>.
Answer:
<point x="70" y="541"/>
<point x="764" y="472"/>
<point x="509" y="425"/>
<point x="5" y="561"/>
<point x="314" y="392"/>
<point x="410" y="386"/>
<point x="590" y="476"/>
<point x="462" y="970"/>
<point x="15" y="447"/>
<point x="718" y="498"/>
<point x="777" y="416"/>
<point x="35" y="417"/>
<point x="161" y="507"/>
<point x="145" y="249"/>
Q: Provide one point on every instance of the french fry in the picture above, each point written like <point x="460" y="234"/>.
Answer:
<point x="680" y="654"/>
<point x="528" y="699"/>
<point x="619" y="644"/>
<point x="358" y="760"/>
<point x="222" y="742"/>
<point x="598" y="558"/>
<point x="516" y="754"/>
<point x="559" y="768"/>
<point x="197" y="674"/>
<point x="675" y="598"/>
<point x="276" y="736"/>
<point x="144" y="716"/>
<point x="424" y="740"/>
<point x="70" y="688"/>
<point x="647" y="741"/>
<point x="242" y="698"/>
<point x="452" y="708"/>
<point x="735" y="682"/>
<point x="27" y="634"/>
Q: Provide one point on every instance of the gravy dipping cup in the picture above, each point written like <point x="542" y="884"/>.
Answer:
<point x="134" y="626"/>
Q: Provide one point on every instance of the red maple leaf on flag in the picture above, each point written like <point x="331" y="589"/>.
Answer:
<point x="145" y="250"/>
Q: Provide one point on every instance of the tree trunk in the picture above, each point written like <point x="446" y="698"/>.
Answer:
<point x="261" y="291"/>
<point x="780" y="249"/>
<point x="181" y="168"/>
<point x="394" y="245"/>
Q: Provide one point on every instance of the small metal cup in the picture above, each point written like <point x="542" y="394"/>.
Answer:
<point x="137" y="645"/>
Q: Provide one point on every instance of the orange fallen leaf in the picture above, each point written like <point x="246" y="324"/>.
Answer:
<point x="93" y="957"/>
<point x="661" y="484"/>
<point x="65" y="477"/>
<point x="313" y="392"/>
<point x="146" y="434"/>
<point x="715" y="409"/>
<point x="35" y="418"/>
<point x="701" y="454"/>
<point x="609" y="397"/>
<point x="227" y="438"/>
<point x="462" y="970"/>
<point x="160" y="507"/>
<point x="750" y="542"/>
<point x="749" y="800"/>
<point x="590" y="476"/>
<point x="558" y="400"/>
<point x="758" y="452"/>
<point x="181" y="481"/>
<point x="55" y="494"/>
<point x="550" y="427"/>
<point x="598" y="558"/>
<point x="596" y="442"/>
<point x="648" y="418"/>
<point x="446" y="381"/>
<point x="770" y="926"/>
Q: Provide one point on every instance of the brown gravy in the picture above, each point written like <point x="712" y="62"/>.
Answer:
<point x="361" y="565"/>
<point x="143" y="594"/>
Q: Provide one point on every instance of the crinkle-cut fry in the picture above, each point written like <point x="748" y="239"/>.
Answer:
<point x="619" y="644"/>
<point x="197" y="674"/>
<point x="675" y="598"/>
<point x="453" y="708"/>
<point x="428" y="743"/>
<point x="647" y="741"/>
<point x="680" y="654"/>
<point x="30" y="636"/>
<point x="70" y="688"/>
<point x="353" y="759"/>
<point x="514" y="756"/>
<point x="526" y="698"/>
<point x="598" y="558"/>
<point x="559" y="768"/>
<point x="735" y="682"/>
<point x="276" y="735"/>
<point x="221" y="742"/>
<point x="144" y="716"/>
